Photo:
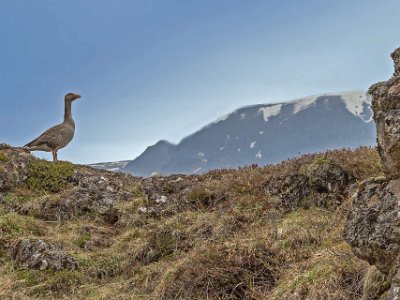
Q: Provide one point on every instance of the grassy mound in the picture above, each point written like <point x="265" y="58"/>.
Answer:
<point x="223" y="235"/>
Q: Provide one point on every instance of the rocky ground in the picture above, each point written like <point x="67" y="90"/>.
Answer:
<point x="275" y="232"/>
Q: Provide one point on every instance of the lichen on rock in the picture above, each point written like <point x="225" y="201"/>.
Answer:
<point x="373" y="226"/>
<point x="386" y="107"/>
<point x="42" y="255"/>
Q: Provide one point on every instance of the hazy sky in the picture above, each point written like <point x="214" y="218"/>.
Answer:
<point x="151" y="70"/>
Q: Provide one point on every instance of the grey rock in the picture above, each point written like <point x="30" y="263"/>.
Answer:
<point x="386" y="108"/>
<point x="14" y="171"/>
<point x="321" y="184"/>
<point x="373" y="225"/>
<point x="396" y="60"/>
<point x="394" y="291"/>
<point x="373" y="228"/>
<point x="42" y="255"/>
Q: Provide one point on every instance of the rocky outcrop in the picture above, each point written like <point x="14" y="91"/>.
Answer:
<point x="42" y="255"/>
<point x="14" y="166"/>
<point x="373" y="224"/>
<point x="319" y="183"/>
<point x="74" y="190"/>
<point x="396" y="60"/>
<point x="386" y="107"/>
<point x="373" y="227"/>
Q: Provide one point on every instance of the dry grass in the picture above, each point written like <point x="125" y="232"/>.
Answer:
<point x="226" y="238"/>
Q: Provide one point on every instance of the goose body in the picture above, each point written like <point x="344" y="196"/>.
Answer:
<point x="59" y="136"/>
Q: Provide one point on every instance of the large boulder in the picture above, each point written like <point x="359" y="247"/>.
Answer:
<point x="42" y="255"/>
<point x="319" y="183"/>
<point x="373" y="226"/>
<point x="386" y="107"/>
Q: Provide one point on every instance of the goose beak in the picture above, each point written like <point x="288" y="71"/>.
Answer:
<point x="77" y="96"/>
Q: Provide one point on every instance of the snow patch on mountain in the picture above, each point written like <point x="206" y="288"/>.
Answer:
<point x="252" y="144"/>
<point x="354" y="103"/>
<point x="303" y="103"/>
<point x="221" y="119"/>
<point x="270" y="111"/>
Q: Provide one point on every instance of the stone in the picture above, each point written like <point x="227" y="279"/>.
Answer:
<point x="386" y="107"/>
<point x="321" y="184"/>
<point x="394" y="291"/>
<point x="14" y="170"/>
<point x="42" y="255"/>
<point x="373" y="228"/>
<point x="373" y="225"/>
<point x="396" y="60"/>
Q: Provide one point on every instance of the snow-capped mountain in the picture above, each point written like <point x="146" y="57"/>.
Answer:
<point x="263" y="134"/>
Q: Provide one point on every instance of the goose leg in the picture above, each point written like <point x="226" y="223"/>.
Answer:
<point x="54" y="155"/>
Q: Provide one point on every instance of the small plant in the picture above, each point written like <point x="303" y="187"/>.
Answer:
<point x="16" y="199"/>
<point x="82" y="240"/>
<point x="11" y="226"/>
<point x="45" y="176"/>
<point x="3" y="157"/>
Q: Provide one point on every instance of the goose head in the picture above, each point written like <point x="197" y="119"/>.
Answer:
<point x="71" y="97"/>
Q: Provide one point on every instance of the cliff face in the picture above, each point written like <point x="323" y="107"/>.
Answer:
<point x="373" y="227"/>
<point x="73" y="232"/>
<point x="386" y="108"/>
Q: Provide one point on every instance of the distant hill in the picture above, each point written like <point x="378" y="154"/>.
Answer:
<point x="264" y="134"/>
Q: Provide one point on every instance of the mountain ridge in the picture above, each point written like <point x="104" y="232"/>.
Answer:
<point x="263" y="134"/>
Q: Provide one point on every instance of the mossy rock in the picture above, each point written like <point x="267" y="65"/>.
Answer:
<point x="317" y="163"/>
<point x="51" y="177"/>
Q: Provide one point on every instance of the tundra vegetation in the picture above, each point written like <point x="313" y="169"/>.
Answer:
<point x="274" y="232"/>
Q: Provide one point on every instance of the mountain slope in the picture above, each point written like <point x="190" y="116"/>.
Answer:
<point x="264" y="134"/>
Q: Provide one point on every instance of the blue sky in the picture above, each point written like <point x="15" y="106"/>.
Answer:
<point x="151" y="70"/>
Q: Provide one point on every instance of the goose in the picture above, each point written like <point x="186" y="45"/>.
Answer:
<point x="59" y="136"/>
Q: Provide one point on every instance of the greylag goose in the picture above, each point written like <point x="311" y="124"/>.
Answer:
<point x="59" y="136"/>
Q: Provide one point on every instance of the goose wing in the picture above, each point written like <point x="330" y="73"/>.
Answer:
<point x="50" y="137"/>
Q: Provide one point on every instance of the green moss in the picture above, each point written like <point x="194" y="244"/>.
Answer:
<point x="16" y="199"/>
<point x="13" y="225"/>
<point x="3" y="157"/>
<point x="82" y="240"/>
<point x="308" y="168"/>
<point x="137" y="192"/>
<point x="45" y="176"/>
